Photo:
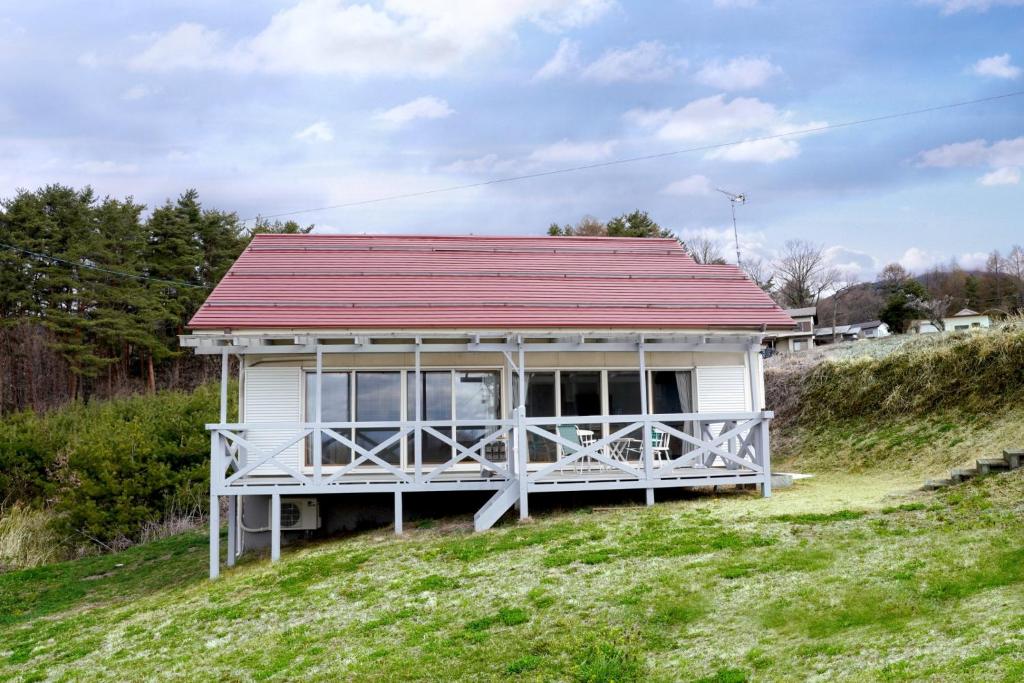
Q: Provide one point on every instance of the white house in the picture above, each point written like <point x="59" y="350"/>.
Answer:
<point x="966" y="319"/>
<point x="873" y="329"/>
<point x="798" y="339"/>
<point x="512" y="365"/>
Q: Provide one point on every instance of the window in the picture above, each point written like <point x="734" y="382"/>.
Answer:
<point x="379" y="399"/>
<point x="798" y="345"/>
<point x="804" y="326"/>
<point x="437" y="405"/>
<point x="335" y="391"/>
<point x="454" y="395"/>
<point x="540" y="402"/>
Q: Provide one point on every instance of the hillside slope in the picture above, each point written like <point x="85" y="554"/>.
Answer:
<point x="916" y="404"/>
<point x="828" y="580"/>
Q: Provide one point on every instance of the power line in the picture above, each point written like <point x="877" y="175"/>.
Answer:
<point x="47" y="257"/>
<point x="646" y="157"/>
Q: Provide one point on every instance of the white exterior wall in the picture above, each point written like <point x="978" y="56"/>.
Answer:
<point x="273" y="393"/>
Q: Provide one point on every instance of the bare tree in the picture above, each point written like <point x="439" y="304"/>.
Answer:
<point x="840" y="290"/>
<point x="1015" y="268"/>
<point x="935" y="309"/>
<point x="804" y="274"/>
<point x="760" y="272"/>
<point x="704" y="251"/>
<point x="893" y="276"/>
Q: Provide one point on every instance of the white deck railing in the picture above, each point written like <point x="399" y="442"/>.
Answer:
<point x="622" y="455"/>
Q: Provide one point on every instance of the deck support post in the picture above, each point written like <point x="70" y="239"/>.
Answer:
<point x="214" y="536"/>
<point x="398" y="513"/>
<point x="766" y="458"/>
<point x="215" y="475"/>
<point x="522" y="473"/>
<point x="232" y="530"/>
<point x="275" y="527"/>
<point x="646" y="452"/>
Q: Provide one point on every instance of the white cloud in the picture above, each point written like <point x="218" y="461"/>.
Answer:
<point x="90" y="59"/>
<point x="695" y="185"/>
<point x="186" y="46"/>
<point x="715" y="119"/>
<point x="401" y="38"/>
<point x="106" y="167"/>
<point x="565" y="60"/>
<point x="484" y="164"/>
<point x="645" y="61"/>
<point x="998" y="66"/>
<point x="565" y="151"/>
<point x="735" y="3"/>
<point x="320" y="131"/>
<point x="955" y="6"/>
<point x="1007" y="175"/>
<point x="740" y="73"/>
<point x="1005" y="156"/>
<point x="917" y="260"/>
<point x="852" y="264"/>
<point x="420" y="108"/>
<point x="137" y="92"/>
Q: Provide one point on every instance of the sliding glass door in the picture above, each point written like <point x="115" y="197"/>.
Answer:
<point x="565" y="393"/>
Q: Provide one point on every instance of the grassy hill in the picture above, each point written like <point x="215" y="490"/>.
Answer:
<point x="835" y="578"/>
<point x="914" y="404"/>
<point x="851" y="575"/>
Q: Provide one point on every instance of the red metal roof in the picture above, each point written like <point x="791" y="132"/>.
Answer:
<point x="378" y="282"/>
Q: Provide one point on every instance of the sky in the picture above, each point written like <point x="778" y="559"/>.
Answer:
<point x="273" y="107"/>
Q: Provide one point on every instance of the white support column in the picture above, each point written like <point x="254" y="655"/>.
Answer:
<point x="754" y="367"/>
<point x="398" y="513"/>
<point x="647" y="452"/>
<point x="417" y="438"/>
<point x="223" y="385"/>
<point x="215" y="475"/>
<point x="275" y="527"/>
<point x="232" y="530"/>
<point x="318" y="417"/>
<point x="522" y="449"/>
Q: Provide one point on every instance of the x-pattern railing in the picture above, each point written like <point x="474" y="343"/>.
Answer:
<point x="733" y="441"/>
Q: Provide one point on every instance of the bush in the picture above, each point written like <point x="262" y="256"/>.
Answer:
<point x="110" y="468"/>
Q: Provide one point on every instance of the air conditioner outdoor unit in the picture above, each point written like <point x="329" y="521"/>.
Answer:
<point x="299" y="514"/>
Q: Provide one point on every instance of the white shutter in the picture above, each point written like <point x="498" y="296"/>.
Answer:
<point x="273" y="394"/>
<point x="722" y="389"/>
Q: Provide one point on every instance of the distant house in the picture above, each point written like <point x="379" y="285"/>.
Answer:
<point x="825" y="335"/>
<point x="799" y="339"/>
<point x="966" y="319"/>
<point x="873" y="329"/>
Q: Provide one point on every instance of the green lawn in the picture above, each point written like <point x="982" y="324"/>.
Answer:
<point x="849" y="578"/>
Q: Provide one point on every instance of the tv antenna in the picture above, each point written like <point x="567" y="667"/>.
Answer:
<point x="735" y="199"/>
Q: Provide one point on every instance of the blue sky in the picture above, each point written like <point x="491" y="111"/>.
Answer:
<point x="267" y="107"/>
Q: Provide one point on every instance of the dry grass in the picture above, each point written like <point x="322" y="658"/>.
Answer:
<point x="971" y="371"/>
<point x="27" y="538"/>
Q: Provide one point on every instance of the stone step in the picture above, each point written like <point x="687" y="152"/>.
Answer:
<point x="1014" y="457"/>
<point x="990" y="465"/>
<point x="933" y="484"/>
<point x="963" y="474"/>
